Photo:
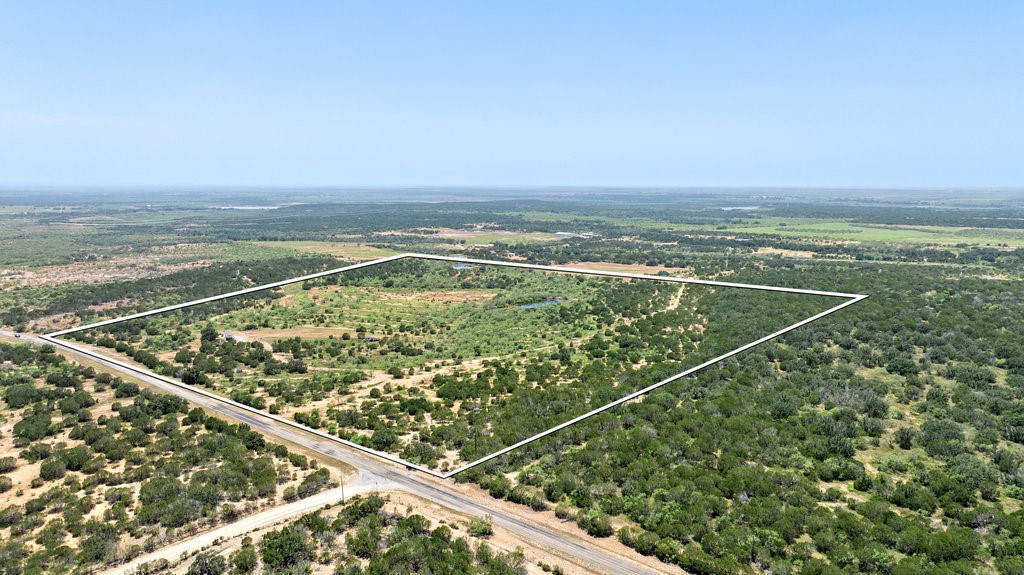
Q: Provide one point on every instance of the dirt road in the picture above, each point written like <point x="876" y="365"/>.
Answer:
<point x="272" y="516"/>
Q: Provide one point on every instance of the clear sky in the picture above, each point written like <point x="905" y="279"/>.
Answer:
<point x="715" y="93"/>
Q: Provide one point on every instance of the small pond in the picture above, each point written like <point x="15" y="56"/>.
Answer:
<point x="540" y="303"/>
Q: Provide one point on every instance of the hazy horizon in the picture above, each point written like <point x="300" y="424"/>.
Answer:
<point x="914" y="94"/>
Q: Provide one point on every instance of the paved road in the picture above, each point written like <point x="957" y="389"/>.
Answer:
<point x="391" y="476"/>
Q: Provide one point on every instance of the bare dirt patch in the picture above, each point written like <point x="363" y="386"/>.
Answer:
<point x="629" y="268"/>
<point x="120" y="269"/>
<point x="268" y="336"/>
<point x="88" y="219"/>
<point x="450" y="296"/>
<point x="66" y="320"/>
<point x="803" y="254"/>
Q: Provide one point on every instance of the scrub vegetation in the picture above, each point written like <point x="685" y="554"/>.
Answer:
<point x="96" y="470"/>
<point x="444" y="363"/>
<point x="887" y="438"/>
<point x="363" y="537"/>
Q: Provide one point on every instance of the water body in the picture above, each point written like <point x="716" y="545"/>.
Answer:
<point x="540" y="303"/>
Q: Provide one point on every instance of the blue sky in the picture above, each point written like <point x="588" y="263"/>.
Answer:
<point x="834" y="93"/>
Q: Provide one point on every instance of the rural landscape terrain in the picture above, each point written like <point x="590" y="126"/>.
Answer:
<point x="887" y="437"/>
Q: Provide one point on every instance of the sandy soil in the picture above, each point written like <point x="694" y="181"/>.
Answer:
<point x="478" y="231"/>
<point x="65" y="320"/>
<point x="252" y="525"/>
<point x="352" y="251"/>
<point x="844" y="488"/>
<point x="25" y="472"/>
<point x="786" y="253"/>
<point x="629" y="268"/>
<point x="677" y="298"/>
<point x="118" y="269"/>
<point x="87" y="219"/>
<point x="440" y="296"/>
<point x="23" y="475"/>
<point x="268" y="336"/>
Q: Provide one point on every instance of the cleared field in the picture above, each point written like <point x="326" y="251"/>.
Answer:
<point x="810" y="229"/>
<point x="345" y="250"/>
<point x="632" y="268"/>
<point x="848" y="231"/>
<point x="481" y="235"/>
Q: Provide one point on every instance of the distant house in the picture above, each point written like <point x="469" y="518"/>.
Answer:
<point x="371" y="338"/>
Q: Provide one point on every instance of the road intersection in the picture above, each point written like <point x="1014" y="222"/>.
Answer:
<point x="381" y="474"/>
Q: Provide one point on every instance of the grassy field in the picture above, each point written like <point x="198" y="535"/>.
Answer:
<point x="807" y="229"/>
<point x="443" y="312"/>
<point x="344" y="250"/>
<point x="846" y="231"/>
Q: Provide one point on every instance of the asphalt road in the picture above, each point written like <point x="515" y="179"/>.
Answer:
<point x="389" y="476"/>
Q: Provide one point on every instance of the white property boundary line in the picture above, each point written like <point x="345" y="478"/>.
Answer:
<point x="52" y="338"/>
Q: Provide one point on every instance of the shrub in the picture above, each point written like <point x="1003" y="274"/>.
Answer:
<point x="126" y="389"/>
<point x="207" y="563"/>
<point x="52" y="469"/>
<point x="952" y="544"/>
<point x="285" y="548"/>
<point x="481" y="526"/>
<point x="244" y="560"/>
<point x="314" y="482"/>
<point x="365" y="542"/>
<point x="595" y="523"/>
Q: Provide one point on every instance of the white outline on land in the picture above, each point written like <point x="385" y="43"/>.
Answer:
<point x="849" y="297"/>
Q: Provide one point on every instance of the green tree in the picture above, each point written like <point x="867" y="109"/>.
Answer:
<point x="285" y="548"/>
<point x="207" y="563"/>
<point x="365" y="542"/>
<point x="244" y="560"/>
<point x="954" y="543"/>
<point x="904" y="437"/>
